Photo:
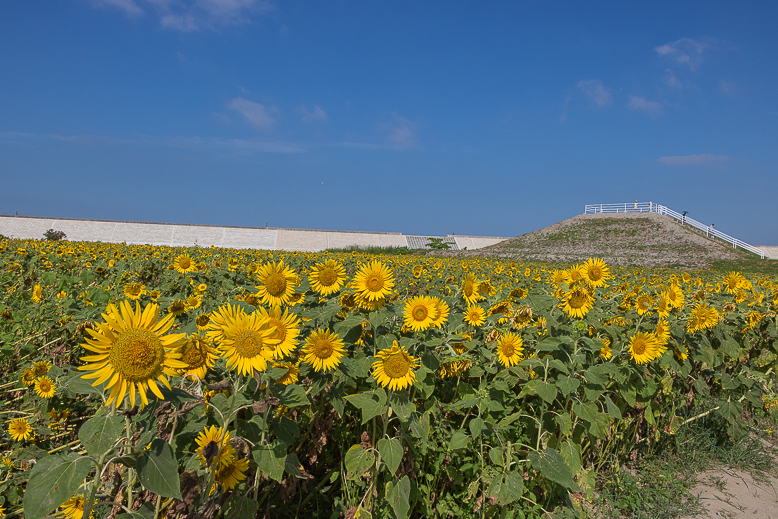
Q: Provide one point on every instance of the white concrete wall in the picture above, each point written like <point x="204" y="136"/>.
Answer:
<point x="179" y="235"/>
<point x="769" y="251"/>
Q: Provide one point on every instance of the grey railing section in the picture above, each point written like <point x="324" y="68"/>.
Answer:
<point x="651" y="207"/>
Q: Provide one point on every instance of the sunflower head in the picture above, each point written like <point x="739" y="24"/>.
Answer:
<point x="394" y="369"/>
<point x="509" y="349"/>
<point x="323" y="350"/>
<point x="374" y="281"/>
<point x="420" y="312"/>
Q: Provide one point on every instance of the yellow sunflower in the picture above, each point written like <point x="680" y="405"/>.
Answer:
<point x="475" y="315"/>
<point x="276" y="283"/>
<point x="643" y="304"/>
<point x="662" y="332"/>
<point x="184" y="264"/>
<point x="232" y="473"/>
<point x="420" y="312"/>
<point x="37" y="294"/>
<point x="509" y="349"/>
<point x="442" y="312"/>
<point x="328" y="277"/>
<point x="177" y="307"/>
<point x="292" y="374"/>
<point x="702" y="317"/>
<point x="394" y="368"/>
<point x="28" y="377"/>
<point x="577" y="302"/>
<point x="41" y="367"/>
<point x="202" y="322"/>
<point x="131" y="351"/>
<point x="470" y="289"/>
<point x="20" y="429"/>
<point x="213" y="444"/>
<point x="732" y="282"/>
<point x="287" y="329"/>
<point x="73" y="508"/>
<point x="374" y="281"/>
<point x="134" y="290"/>
<point x="199" y="356"/>
<point x="643" y="347"/>
<point x="596" y="271"/>
<point x="219" y="320"/>
<point x="194" y="301"/>
<point x="248" y="343"/>
<point x="675" y="295"/>
<point x="45" y="387"/>
<point x="323" y="350"/>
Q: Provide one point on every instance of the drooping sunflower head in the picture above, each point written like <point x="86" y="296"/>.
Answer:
<point x="276" y="283"/>
<point x="323" y="350"/>
<point x="28" y="377"/>
<point x="328" y="277"/>
<point x="509" y="349"/>
<point x="41" y="367"/>
<point x="374" y="281"/>
<point x="420" y="312"/>
<point x="394" y="368"/>
<point x="232" y="473"/>
<point x="292" y="372"/>
<point x="214" y="447"/>
<point x="45" y="387"/>
<point x="475" y="315"/>
<point x="184" y="264"/>
<point x="133" y="351"/>
<point x="522" y="317"/>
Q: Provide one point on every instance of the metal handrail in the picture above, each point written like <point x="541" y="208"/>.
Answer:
<point x="650" y="207"/>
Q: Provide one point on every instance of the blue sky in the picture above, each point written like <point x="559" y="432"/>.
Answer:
<point x="484" y="118"/>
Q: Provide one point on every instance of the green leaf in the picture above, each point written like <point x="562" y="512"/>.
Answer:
<point x="391" y="451"/>
<point x="53" y="480"/>
<point x="158" y="470"/>
<point x="587" y="411"/>
<point x="80" y="386"/>
<point x="144" y="512"/>
<point x="546" y="391"/>
<point x="271" y="459"/>
<point x="506" y="488"/>
<point x="459" y="440"/>
<point x="476" y="426"/>
<point x="372" y="403"/>
<point x="565" y="423"/>
<point x="731" y="348"/>
<point x="241" y="507"/>
<point x="549" y="344"/>
<point x="551" y="464"/>
<point x="496" y="456"/>
<point x="398" y="494"/>
<point x="567" y="384"/>
<point x="99" y="433"/>
<point x="613" y="409"/>
<point x="401" y="405"/>
<point x="359" y="460"/>
<point x="286" y="430"/>
<point x="293" y="396"/>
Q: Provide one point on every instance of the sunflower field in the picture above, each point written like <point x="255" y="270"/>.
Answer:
<point x="150" y="382"/>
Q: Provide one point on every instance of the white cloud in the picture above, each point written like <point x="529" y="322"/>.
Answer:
<point x="686" y="51"/>
<point x="672" y="80"/>
<point x="644" y="105"/>
<point x="596" y="92"/>
<point x="316" y="115"/>
<point x="691" y="160"/>
<point x="256" y="114"/>
<point x="727" y="87"/>
<point x="402" y="133"/>
<point x="129" y="7"/>
<point x="194" y="15"/>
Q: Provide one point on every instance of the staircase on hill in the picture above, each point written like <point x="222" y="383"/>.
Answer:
<point x="650" y="207"/>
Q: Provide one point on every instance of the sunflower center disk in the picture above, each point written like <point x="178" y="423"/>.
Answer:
<point x="420" y="313"/>
<point x="577" y="301"/>
<point x="323" y="349"/>
<point x="185" y="263"/>
<point x="194" y="356"/>
<point x="375" y="282"/>
<point x="248" y="344"/>
<point x="396" y="366"/>
<point x="327" y="277"/>
<point x="275" y="284"/>
<point x="639" y="347"/>
<point x="137" y="354"/>
<point x="280" y="329"/>
<point x="508" y="350"/>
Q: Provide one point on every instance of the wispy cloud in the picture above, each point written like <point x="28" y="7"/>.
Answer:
<point x="672" y="81"/>
<point x="193" y="15"/>
<point x="686" y="51"/>
<point x="596" y="92"/>
<point x="317" y="115"/>
<point x="256" y="114"/>
<point x="641" y="104"/>
<point x="402" y="133"/>
<point x="727" y="87"/>
<point x="692" y="160"/>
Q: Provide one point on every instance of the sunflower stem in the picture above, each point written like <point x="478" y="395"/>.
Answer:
<point x="128" y="449"/>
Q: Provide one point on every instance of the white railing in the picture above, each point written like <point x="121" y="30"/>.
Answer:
<point x="650" y="207"/>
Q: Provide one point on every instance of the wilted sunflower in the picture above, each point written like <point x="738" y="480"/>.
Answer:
<point x="20" y="429"/>
<point x="134" y="290"/>
<point x="643" y="347"/>
<point x="209" y="441"/>
<point x="41" y="367"/>
<point x="132" y="352"/>
<point x="374" y="281"/>
<point x="394" y="369"/>
<point x="184" y="264"/>
<point x="475" y="315"/>
<point x="199" y="356"/>
<point x="73" y="508"/>
<point x="45" y="387"/>
<point x="485" y="288"/>
<point x="522" y="317"/>
<point x="509" y="349"/>
<point x="596" y="271"/>
<point x="287" y="329"/>
<point x="419" y="313"/>
<point x="328" y="277"/>
<point x="248" y="343"/>
<point x="276" y="283"/>
<point x="323" y="350"/>
<point x="577" y="302"/>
